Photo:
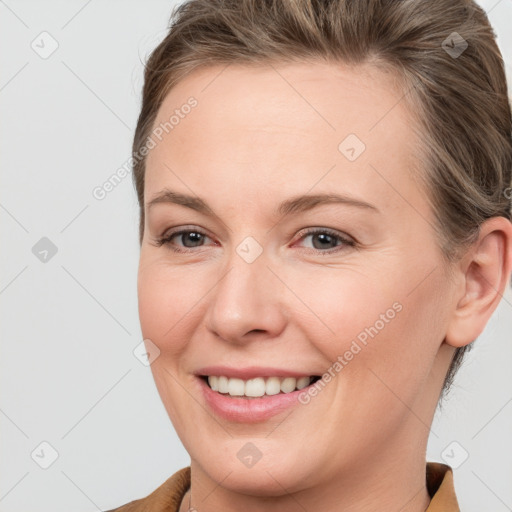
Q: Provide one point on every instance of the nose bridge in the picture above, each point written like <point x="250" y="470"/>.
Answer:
<point x="248" y="297"/>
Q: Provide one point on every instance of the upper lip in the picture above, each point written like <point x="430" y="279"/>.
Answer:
<point x="250" y="372"/>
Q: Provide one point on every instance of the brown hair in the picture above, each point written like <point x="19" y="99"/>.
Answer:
<point x="443" y="52"/>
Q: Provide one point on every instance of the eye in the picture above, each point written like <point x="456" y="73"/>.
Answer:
<point x="194" y="237"/>
<point x="324" y="240"/>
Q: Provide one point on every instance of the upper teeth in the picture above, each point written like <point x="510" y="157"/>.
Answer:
<point x="258" y="386"/>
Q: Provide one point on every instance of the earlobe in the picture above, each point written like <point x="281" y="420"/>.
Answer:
<point x="486" y="270"/>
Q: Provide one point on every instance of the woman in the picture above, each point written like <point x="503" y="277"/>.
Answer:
<point x="325" y="229"/>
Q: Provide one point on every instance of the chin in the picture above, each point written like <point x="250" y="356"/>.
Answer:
<point x="269" y="476"/>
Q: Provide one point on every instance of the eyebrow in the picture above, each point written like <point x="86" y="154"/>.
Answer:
<point x="296" y="204"/>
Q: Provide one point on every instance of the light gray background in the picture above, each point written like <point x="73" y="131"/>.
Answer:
<point x="70" y="325"/>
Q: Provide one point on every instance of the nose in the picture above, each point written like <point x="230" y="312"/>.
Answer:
<point x="248" y="302"/>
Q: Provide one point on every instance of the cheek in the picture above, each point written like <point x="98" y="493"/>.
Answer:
<point x="400" y="353"/>
<point x="378" y="316"/>
<point x="169" y="306"/>
<point x="345" y="304"/>
<point x="168" y="303"/>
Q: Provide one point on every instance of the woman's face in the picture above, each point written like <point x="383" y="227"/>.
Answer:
<point x="266" y="284"/>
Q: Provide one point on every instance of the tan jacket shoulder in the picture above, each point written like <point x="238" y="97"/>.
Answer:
<point x="166" y="498"/>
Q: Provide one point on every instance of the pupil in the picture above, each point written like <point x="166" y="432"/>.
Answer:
<point x="194" y="237"/>
<point x="325" y="237"/>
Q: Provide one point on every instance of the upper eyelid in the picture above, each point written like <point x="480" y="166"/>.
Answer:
<point x="178" y="231"/>
<point x="319" y="229"/>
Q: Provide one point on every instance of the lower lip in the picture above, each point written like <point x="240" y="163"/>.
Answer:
<point x="248" y="410"/>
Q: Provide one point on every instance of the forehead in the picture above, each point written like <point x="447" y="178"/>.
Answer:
<point x="283" y="127"/>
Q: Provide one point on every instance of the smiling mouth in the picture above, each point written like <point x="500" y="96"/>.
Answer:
<point x="257" y="387"/>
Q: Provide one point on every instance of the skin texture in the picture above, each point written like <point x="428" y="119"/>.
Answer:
<point x="258" y="136"/>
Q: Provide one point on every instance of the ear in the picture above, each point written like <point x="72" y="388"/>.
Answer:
<point x="485" y="269"/>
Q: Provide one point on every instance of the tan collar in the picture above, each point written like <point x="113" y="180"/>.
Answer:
<point x="441" y="489"/>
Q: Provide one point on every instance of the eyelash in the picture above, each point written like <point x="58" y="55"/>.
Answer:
<point x="166" y="240"/>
